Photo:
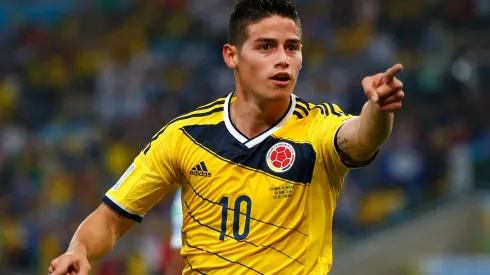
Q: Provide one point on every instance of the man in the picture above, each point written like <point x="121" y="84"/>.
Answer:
<point x="260" y="169"/>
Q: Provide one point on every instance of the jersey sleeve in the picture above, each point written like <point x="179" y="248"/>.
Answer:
<point x="176" y="218"/>
<point x="329" y="120"/>
<point x="152" y="175"/>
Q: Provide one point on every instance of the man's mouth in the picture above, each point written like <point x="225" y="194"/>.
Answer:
<point x="281" y="79"/>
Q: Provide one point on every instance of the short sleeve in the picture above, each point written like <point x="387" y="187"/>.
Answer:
<point x="152" y="175"/>
<point x="176" y="218"/>
<point x="323" y="132"/>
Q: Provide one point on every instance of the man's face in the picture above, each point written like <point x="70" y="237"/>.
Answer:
<point x="270" y="59"/>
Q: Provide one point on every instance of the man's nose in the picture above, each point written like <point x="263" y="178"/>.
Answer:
<point x="282" y="58"/>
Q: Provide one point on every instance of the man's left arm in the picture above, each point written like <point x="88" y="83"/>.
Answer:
<point x="359" y="139"/>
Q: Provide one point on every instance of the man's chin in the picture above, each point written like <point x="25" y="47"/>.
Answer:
<point x="279" y="93"/>
<point x="283" y="89"/>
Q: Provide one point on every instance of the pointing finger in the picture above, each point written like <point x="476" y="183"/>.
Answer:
<point x="391" y="73"/>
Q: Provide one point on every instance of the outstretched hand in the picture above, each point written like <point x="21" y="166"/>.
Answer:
<point x="70" y="263"/>
<point x="385" y="90"/>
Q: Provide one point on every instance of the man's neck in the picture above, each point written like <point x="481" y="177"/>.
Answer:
<point x="252" y="118"/>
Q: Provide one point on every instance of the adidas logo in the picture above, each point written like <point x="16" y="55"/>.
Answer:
<point x="201" y="170"/>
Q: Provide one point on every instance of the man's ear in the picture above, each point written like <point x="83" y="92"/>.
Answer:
<point x="301" y="64"/>
<point x="230" y="55"/>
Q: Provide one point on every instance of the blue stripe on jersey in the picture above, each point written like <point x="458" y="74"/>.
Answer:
<point x="217" y="139"/>
<point x="298" y="114"/>
<point x="344" y="158"/>
<point x="187" y="116"/>
<point x="121" y="211"/>
<point x="303" y="102"/>
<point x="212" y="104"/>
<point x="305" y="111"/>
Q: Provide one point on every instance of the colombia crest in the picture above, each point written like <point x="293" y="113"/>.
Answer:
<point x="280" y="157"/>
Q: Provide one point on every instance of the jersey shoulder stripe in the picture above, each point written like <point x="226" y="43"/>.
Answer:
<point x="324" y="111"/>
<point x="328" y="110"/>
<point x="304" y="103"/>
<point x="333" y="110"/>
<point x="298" y="114"/>
<point x="218" y="101"/>
<point x="307" y="104"/>
<point x="302" y="108"/>
<point x="200" y="115"/>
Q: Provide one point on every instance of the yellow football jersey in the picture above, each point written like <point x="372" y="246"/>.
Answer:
<point x="250" y="206"/>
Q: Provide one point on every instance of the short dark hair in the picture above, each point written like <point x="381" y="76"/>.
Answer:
<point x="247" y="12"/>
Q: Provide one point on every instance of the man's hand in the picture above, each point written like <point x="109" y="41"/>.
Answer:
<point x="94" y="238"/>
<point x="70" y="263"/>
<point x="384" y="89"/>
<point x="362" y="136"/>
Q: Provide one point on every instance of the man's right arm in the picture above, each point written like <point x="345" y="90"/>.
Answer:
<point x="152" y="174"/>
<point x="95" y="237"/>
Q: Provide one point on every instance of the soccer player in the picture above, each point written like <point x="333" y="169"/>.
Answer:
<point x="260" y="169"/>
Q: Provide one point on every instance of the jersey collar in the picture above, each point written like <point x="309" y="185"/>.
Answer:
<point x="258" y="139"/>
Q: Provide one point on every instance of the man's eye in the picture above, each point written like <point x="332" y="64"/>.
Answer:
<point x="265" y="47"/>
<point x="292" y="48"/>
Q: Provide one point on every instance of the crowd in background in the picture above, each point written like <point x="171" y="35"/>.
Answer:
<point x="85" y="84"/>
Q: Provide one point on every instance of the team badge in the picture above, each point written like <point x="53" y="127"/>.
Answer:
<point x="280" y="157"/>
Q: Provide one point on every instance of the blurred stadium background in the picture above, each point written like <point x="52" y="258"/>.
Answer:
<point x="85" y="83"/>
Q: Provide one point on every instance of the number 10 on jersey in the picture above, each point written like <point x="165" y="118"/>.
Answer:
<point x="236" y="217"/>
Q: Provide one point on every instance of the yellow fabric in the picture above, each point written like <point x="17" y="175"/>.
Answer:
<point x="289" y="224"/>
